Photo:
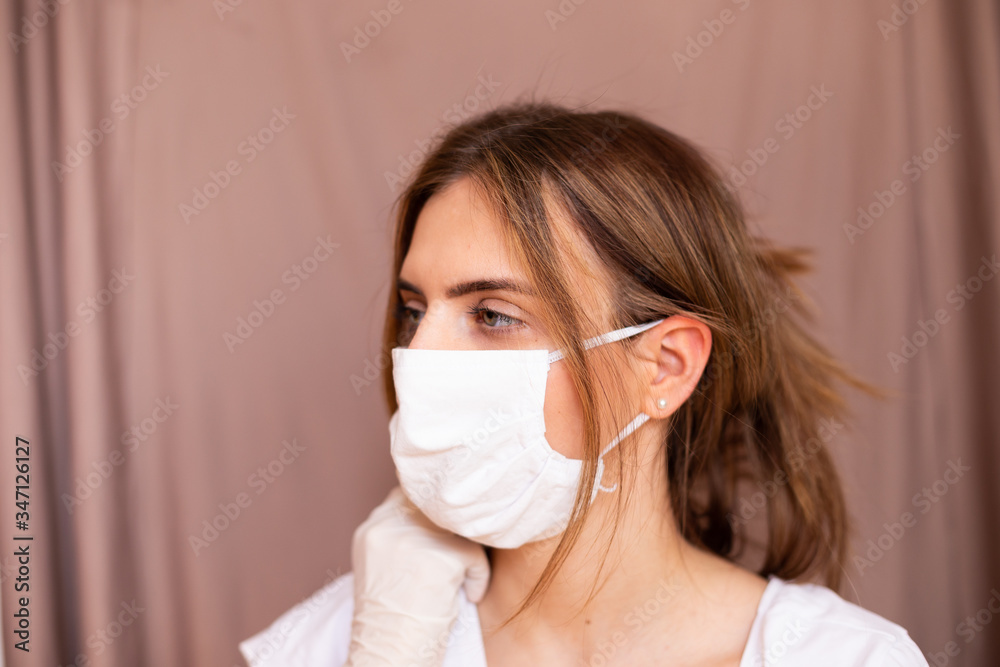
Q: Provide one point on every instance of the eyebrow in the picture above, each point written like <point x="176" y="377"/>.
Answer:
<point x="470" y="286"/>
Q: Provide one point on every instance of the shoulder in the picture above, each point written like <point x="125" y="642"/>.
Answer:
<point x="811" y="624"/>
<point x="316" y="631"/>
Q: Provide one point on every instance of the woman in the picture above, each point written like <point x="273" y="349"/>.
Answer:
<point x="592" y="361"/>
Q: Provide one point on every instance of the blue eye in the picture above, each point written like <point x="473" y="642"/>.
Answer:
<point x="493" y="319"/>
<point x="494" y="322"/>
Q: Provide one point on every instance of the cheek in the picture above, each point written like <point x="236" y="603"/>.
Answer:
<point x="563" y="413"/>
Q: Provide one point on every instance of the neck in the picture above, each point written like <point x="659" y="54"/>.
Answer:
<point x="645" y="582"/>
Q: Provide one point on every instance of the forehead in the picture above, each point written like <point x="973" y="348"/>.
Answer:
<point x="457" y="237"/>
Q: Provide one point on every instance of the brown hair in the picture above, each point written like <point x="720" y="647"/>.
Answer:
<point x="672" y="238"/>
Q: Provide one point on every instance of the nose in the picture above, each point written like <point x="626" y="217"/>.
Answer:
<point x="439" y="329"/>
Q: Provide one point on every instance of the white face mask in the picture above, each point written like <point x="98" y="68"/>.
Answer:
<point x="468" y="441"/>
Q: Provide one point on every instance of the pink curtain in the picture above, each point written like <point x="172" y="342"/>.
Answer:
<point x="194" y="259"/>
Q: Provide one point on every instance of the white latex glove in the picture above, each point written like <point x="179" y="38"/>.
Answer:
<point x="407" y="576"/>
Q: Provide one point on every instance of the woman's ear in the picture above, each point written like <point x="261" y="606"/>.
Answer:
<point x="674" y="354"/>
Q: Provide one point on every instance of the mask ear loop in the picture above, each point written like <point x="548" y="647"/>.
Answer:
<point x="640" y="419"/>
<point x="609" y="337"/>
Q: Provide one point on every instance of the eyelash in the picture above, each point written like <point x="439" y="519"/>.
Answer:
<point x="513" y="322"/>
<point x="403" y="311"/>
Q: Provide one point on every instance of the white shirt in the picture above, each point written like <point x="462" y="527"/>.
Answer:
<point x="796" y="624"/>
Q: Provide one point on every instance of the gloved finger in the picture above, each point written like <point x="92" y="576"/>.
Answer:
<point x="390" y="636"/>
<point x="445" y="558"/>
<point x="391" y="515"/>
<point x="395" y="506"/>
<point x="477" y="577"/>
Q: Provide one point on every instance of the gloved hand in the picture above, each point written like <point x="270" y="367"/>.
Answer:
<point x="407" y="576"/>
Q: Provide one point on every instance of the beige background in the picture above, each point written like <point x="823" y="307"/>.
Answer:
<point x="327" y="174"/>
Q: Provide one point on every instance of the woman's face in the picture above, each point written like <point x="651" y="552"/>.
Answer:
<point x="458" y="282"/>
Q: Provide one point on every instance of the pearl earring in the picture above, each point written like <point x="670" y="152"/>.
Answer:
<point x="662" y="402"/>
